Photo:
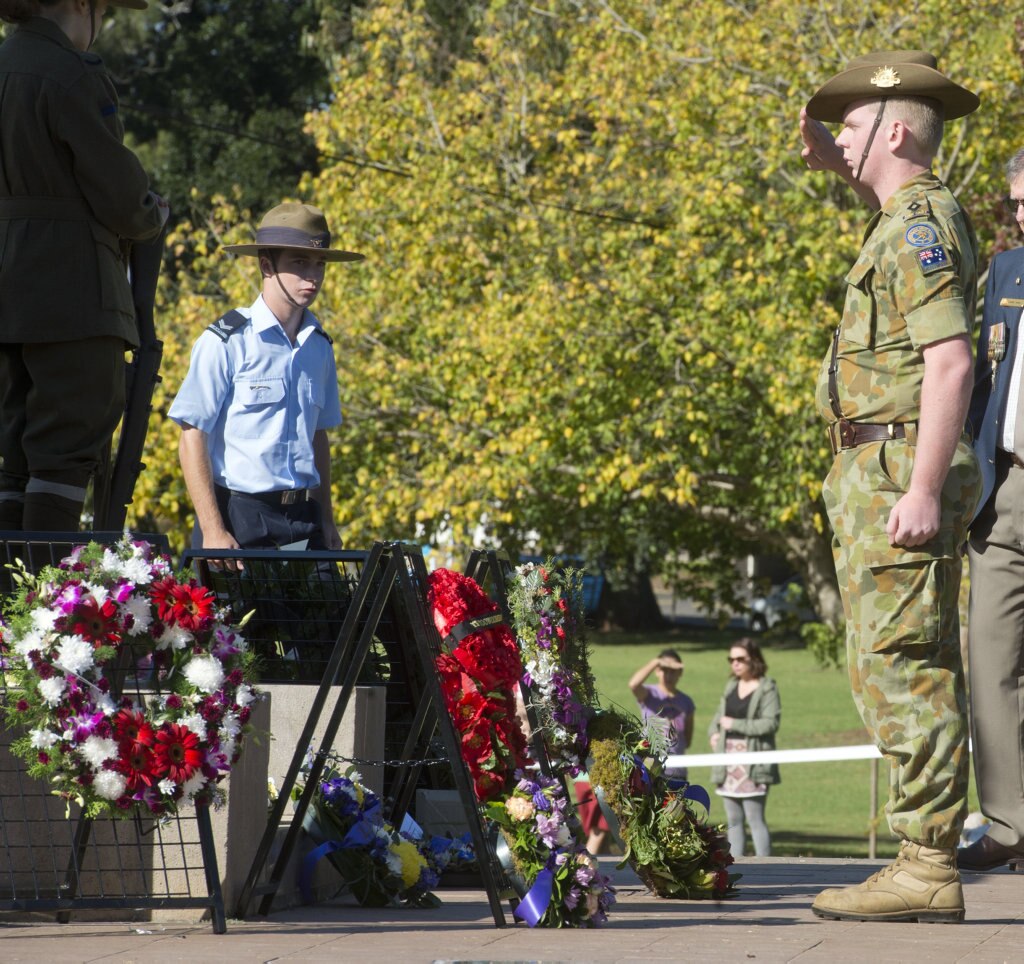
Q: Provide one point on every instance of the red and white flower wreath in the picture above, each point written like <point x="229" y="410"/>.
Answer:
<point x="111" y="619"/>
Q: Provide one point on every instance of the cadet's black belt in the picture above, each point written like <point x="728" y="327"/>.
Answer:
<point x="284" y="497"/>
<point x="1012" y="456"/>
<point x="845" y="434"/>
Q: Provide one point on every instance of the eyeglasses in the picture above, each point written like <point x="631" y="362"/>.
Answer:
<point x="738" y="659"/>
<point x="1012" y="203"/>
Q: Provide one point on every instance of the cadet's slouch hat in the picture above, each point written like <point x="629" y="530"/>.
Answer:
<point x="890" y="73"/>
<point x="295" y="227"/>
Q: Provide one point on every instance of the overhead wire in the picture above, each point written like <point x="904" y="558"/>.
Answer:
<point x="364" y="163"/>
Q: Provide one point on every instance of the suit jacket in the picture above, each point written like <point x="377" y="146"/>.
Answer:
<point x="1005" y="280"/>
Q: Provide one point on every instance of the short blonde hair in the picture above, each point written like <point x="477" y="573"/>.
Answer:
<point x="923" y="116"/>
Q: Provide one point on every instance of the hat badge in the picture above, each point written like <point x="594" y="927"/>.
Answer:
<point x="885" y="77"/>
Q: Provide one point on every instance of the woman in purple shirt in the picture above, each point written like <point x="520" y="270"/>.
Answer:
<point x="664" y="701"/>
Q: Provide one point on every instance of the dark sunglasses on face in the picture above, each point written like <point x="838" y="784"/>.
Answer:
<point x="738" y="659"/>
<point x="1011" y="204"/>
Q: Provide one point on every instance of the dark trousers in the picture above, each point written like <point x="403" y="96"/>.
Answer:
<point x="257" y="524"/>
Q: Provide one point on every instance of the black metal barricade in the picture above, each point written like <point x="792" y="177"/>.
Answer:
<point x="393" y="579"/>
<point x="54" y="859"/>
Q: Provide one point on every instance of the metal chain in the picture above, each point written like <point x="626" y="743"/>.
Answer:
<point x="336" y="757"/>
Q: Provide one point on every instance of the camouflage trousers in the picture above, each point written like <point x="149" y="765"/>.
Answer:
<point x="903" y="632"/>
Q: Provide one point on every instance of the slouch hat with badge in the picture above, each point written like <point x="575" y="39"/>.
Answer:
<point x="890" y="73"/>
<point x="295" y="227"/>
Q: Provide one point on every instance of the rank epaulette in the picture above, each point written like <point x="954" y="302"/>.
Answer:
<point x="330" y="341"/>
<point x="226" y="325"/>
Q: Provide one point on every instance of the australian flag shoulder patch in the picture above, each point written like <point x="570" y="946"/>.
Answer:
<point x="933" y="258"/>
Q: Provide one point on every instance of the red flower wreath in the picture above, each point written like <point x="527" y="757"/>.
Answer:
<point x="479" y="677"/>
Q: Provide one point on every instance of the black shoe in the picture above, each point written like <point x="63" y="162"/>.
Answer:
<point x="987" y="854"/>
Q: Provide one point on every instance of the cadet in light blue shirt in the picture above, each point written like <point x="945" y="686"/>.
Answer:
<point x="260" y="393"/>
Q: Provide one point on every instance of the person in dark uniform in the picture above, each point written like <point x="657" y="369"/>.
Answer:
<point x="995" y="626"/>
<point x="260" y="393"/>
<point x="70" y="194"/>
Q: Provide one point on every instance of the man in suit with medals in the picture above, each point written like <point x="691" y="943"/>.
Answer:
<point x="996" y="549"/>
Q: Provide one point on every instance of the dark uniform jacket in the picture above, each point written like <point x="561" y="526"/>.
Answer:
<point x="997" y="348"/>
<point x="69" y="191"/>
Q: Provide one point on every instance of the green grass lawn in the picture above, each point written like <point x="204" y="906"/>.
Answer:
<point x="819" y="809"/>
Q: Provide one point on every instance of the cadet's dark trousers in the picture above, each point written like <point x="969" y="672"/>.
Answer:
<point x="258" y="523"/>
<point x="996" y="650"/>
<point x="59" y="405"/>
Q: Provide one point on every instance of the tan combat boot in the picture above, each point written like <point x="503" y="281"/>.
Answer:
<point x="921" y="884"/>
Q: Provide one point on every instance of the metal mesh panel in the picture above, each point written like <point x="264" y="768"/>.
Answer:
<point x="51" y="858"/>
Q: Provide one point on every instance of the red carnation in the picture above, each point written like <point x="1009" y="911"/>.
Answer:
<point x="138" y="765"/>
<point x="192" y="607"/>
<point x="97" y="623"/>
<point x="177" y="754"/>
<point x="162" y="595"/>
<point x="131" y="728"/>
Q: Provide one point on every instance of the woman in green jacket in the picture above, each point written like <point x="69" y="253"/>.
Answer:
<point x="746" y="720"/>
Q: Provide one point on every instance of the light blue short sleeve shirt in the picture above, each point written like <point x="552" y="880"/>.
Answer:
<point x="259" y="399"/>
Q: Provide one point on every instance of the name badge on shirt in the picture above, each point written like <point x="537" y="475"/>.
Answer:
<point x="1011" y="302"/>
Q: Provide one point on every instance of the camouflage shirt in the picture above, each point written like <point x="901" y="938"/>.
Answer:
<point x="914" y="283"/>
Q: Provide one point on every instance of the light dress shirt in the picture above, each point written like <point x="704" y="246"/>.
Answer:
<point x="259" y="399"/>
<point x="1009" y="423"/>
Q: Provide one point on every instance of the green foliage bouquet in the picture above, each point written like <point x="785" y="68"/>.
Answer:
<point x="672" y="850"/>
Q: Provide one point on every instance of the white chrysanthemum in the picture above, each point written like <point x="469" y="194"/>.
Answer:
<point x="136" y="570"/>
<point x="245" y="695"/>
<point x="193" y="785"/>
<point x="111" y="562"/>
<point x="32" y="640"/>
<point x="105" y="704"/>
<point x="75" y="655"/>
<point x="196" y="724"/>
<point x="205" y="673"/>
<point x="43" y="739"/>
<point x="52" y="689"/>
<point x="138" y="607"/>
<point x="394" y="862"/>
<point x="180" y="637"/>
<point x="99" y="593"/>
<point x="109" y="784"/>
<point x="232" y="726"/>
<point x="166" y="787"/>
<point x="43" y="619"/>
<point x="97" y="750"/>
<point x="227" y="747"/>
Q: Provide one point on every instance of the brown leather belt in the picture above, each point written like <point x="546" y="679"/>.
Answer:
<point x="845" y="434"/>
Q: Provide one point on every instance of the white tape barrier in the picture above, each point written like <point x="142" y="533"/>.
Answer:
<point x="821" y="754"/>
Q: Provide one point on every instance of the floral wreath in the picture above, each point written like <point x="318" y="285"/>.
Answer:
<point x="77" y="636"/>
<point x="546" y="604"/>
<point x="671" y="848"/>
<point x="559" y="881"/>
<point x="479" y="675"/>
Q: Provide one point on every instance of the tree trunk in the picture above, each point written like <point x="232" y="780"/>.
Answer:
<point x="630" y="604"/>
<point x="812" y="553"/>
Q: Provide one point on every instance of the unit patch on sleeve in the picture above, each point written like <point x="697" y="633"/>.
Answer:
<point x="920" y="235"/>
<point x="933" y="258"/>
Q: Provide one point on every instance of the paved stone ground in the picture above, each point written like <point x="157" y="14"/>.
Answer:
<point x="769" y="921"/>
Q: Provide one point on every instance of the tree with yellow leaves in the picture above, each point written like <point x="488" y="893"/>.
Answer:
<point x="599" y="279"/>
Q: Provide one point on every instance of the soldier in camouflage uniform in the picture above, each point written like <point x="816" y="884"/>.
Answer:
<point x="894" y="389"/>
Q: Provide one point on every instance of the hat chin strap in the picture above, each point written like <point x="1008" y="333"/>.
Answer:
<point x="871" y="139"/>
